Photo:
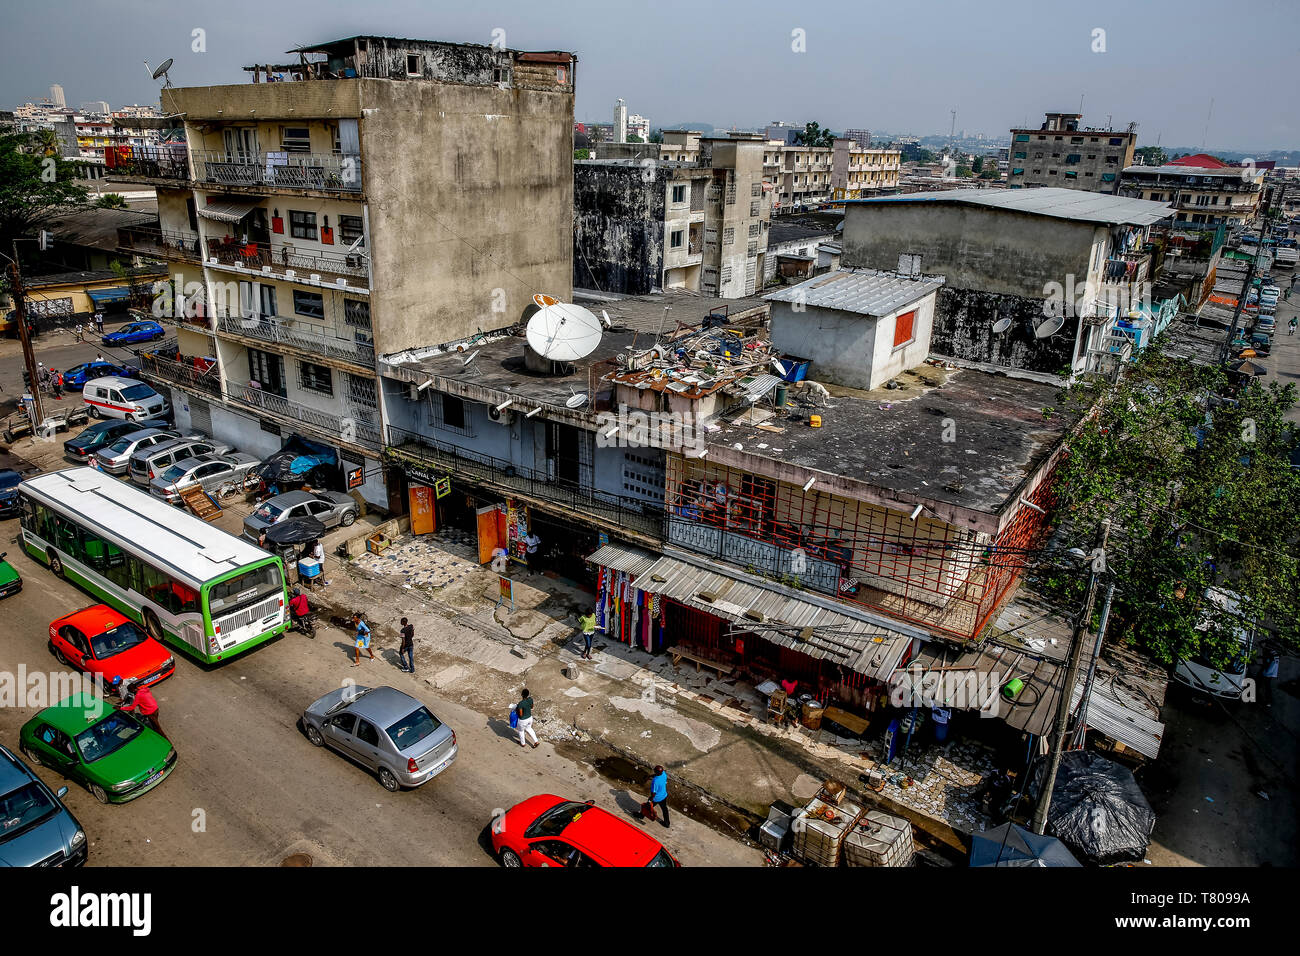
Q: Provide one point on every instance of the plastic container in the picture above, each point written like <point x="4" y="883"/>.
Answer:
<point x="796" y="369"/>
<point x="781" y="392"/>
<point x="815" y="421"/>
<point x="308" y="567"/>
<point x="812" y="715"/>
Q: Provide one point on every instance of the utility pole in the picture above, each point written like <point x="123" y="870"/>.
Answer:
<point x="29" y="357"/>
<point x="1250" y="275"/>
<point x="1071" y="675"/>
<point x="1076" y="740"/>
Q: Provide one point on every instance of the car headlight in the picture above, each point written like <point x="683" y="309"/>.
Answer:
<point x="79" y="838"/>
<point x="169" y="663"/>
<point x="118" y="787"/>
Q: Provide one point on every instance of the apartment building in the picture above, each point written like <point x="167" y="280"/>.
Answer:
<point x="379" y="195"/>
<point x="1203" y="190"/>
<point x="857" y="171"/>
<point x="1065" y="155"/>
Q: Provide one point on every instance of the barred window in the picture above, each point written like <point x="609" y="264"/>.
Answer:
<point x="753" y="230"/>
<point x="350" y="229"/>
<point x="310" y="304"/>
<point x="756" y="190"/>
<point x="728" y="236"/>
<point x="449" y="412"/>
<point x="315" y="378"/>
<point x="302" y="225"/>
<point x="356" y="313"/>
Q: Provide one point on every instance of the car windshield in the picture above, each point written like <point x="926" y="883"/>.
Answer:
<point x="553" y="821"/>
<point x="108" y="736"/>
<point x="135" y="392"/>
<point x="413" y="728"/>
<point x="244" y="589"/>
<point x="22" y="809"/>
<point x="268" y="512"/>
<point x="347" y="699"/>
<point x="117" y="639"/>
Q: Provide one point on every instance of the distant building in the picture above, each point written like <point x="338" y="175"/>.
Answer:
<point x="57" y="98"/>
<point x="801" y="176"/>
<point x="860" y="136"/>
<point x="1063" y="154"/>
<point x="1205" y="191"/>
<point x="638" y="125"/>
<point x="784" y="133"/>
<point x="620" y="122"/>
<point x="98" y="107"/>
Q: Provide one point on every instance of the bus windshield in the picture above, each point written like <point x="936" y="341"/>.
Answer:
<point x="247" y="588"/>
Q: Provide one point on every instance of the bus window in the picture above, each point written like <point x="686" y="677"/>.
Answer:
<point x="94" y="549"/>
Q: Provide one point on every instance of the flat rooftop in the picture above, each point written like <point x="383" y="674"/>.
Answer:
<point x="893" y="438"/>
<point x="1074" y="204"/>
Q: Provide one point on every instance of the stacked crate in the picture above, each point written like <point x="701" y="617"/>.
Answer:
<point x="818" y="841"/>
<point x="877" y="839"/>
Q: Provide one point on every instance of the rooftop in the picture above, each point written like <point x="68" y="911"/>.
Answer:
<point x="1073" y="204"/>
<point x="782" y="232"/>
<point x="864" y="291"/>
<point x="86" y="278"/>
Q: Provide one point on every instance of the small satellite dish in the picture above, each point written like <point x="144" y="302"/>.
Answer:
<point x="1001" y="325"/>
<point x="1049" y="328"/>
<point x="577" y="400"/>
<point x="469" y="358"/>
<point x="563" y="332"/>
<point x="544" y="300"/>
<point x="161" y="72"/>
<point x="605" y="317"/>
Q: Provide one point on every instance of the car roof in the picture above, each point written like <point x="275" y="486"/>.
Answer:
<point x="92" y="620"/>
<point x="610" y="839"/>
<point x="74" y="714"/>
<point x="144" y="433"/>
<point x="193" y="461"/>
<point x="165" y="446"/>
<point x="13" y="772"/>
<point x="290" y="498"/>
<point x="117" y="381"/>
<point x="384" y="705"/>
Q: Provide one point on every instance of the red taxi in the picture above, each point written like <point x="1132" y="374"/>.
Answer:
<point x="547" y="830"/>
<point x="99" y="640"/>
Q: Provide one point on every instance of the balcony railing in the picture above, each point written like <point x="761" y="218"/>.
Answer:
<point x="631" y="514"/>
<point x="199" y="375"/>
<point x="153" y="241"/>
<point x="308" y="336"/>
<point x="356" y="425"/>
<point x="151" y="162"/>
<point x="256" y="255"/>
<point x="282" y="170"/>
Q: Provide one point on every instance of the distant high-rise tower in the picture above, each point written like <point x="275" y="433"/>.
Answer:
<point x="57" y="98"/>
<point x="620" y="122"/>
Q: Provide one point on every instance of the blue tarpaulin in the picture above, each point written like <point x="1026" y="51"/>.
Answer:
<point x="106" y="296"/>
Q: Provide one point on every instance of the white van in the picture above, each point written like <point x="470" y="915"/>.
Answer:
<point x="1200" y="675"/>
<point x="129" y="398"/>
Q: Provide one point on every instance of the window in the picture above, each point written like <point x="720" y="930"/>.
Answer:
<point x="302" y="225"/>
<point x="756" y="190"/>
<point x="315" y="378"/>
<point x="192" y="212"/>
<point x="1023" y="137"/>
<point x="903" y="328"/>
<point x="311" y="304"/>
<point x="296" y="139"/>
<point x="677" y="239"/>
<point x="356" y="313"/>
<point x="1051" y="172"/>
<point x="1018" y="171"/>
<point x="448" y="411"/>
<point x="1018" y="155"/>
<point x="350" y="229"/>
<point x="1112" y="160"/>
<point x="679" y="194"/>
<point x="267" y="369"/>
<point x="728" y="236"/>
<point x="1115" y="141"/>
<point x="1071" y="174"/>
<point x="413" y="67"/>
<point x="754" y="209"/>
<point x="726" y="274"/>
<point x="753" y="230"/>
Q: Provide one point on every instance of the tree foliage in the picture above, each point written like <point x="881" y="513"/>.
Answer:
<point x="111" y="201"/>
<point x="814" y="135"/>
<point x="34" y="187"/>
<point x="1193" y="470"/>
<point x="1151" y="155"/>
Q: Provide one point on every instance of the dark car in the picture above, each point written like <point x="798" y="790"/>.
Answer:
<point x="1261" y="343"/>
<point x="9" y="481"/>
<point x="36" y="829"/>
<point x="75" y="378"/>
<point x="133" y="333"/>
<point x="96" y="436"/>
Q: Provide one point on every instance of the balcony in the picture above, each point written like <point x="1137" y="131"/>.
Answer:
<point x="319" y="340"/>
<point x="199" y="375"/>
<point x="166" y="162"/>
<point x="153" y="241"/>
<point x="279" y="171"/>
<point x="1128" y="268"/>
<point x="358" y="425"/>
<point x="628" y="514"/>
<point x="260" y="257"/>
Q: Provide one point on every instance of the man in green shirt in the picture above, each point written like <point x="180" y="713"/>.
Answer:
<point x="588" y="623"/>
<point x="525" y="710"/>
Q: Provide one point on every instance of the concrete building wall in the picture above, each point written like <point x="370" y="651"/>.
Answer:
<point x="619" y="226"/>
<point x="1050" y="158"/>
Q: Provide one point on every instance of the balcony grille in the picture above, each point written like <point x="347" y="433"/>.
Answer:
<point x="276" y="171"/>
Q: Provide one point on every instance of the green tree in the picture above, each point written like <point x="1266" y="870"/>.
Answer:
<point x="1151" y="155"/>
<point x="634" y="138"/>
<point x="34" y="187"/>
<point x="964" y="172"/>
<point x="111" y="201"/>
<point x="657" y="136"/>
<point x="814" y="135"/>
<point x="978" y="165"/>
<point x="1200" y="492"/>
<point x="582" y="154"/>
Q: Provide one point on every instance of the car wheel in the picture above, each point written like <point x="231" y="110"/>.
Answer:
<point x="56" y="563"/>
<point x="100" y="793"/>
<point x="227" y="491"/>
<point x="348" y="518"/>
<point x="389" y="781"/>
<point x="152" y="625"/>
<point x="58" y="656"/>
<point x="315" y="736"/>
<point x="94" y="411"/>
<point x="510" y="859"/>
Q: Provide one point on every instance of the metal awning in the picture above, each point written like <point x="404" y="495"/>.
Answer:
<point x="1124" y="724"/>
<point x="619" y="558"/>
<point x="230" y="210"/>
<point x="105" y="296"/>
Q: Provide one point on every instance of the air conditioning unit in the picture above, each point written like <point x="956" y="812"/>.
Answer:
<point x="504" y="417"/>
<point x="412" y="392"/>
<point x="353" y="261"/>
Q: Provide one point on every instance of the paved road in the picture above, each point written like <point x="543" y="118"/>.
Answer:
<point x="250" y="790"/>
<point x="56" y="350"/>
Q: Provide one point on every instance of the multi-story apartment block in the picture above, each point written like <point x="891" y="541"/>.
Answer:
<point x="1061" y="153"/>
<point x="1205" y="191"/>
<point x="802" y="176"/>
<point x="396" y="194"/>
<point x="858" y="171"/>
<point x="860" y="136"/>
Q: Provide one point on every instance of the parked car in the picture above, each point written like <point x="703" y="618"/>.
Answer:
<point x="100" y="434"/>
<point x="99" y="640"/>
<point x="547" y="830"/>
<point x="126" y="398"/>
<point x="1200" y="674"/>
<point x="11" y="582"/>
<point x="75" y="378"/>
<point x="1261" y="343"/>
<point x="111" y="753"/>
<point x="135" y="332"/>
<point x="9" y="482"/>
<point x="384" y="730"/>
<point x="38" y="830"/>
<point x="1266" y="323"/>
<point x="330" y="508"/>
<point x="211" y="472"/>
<point x="114" y="458"/>
<point x="148" y="463"/>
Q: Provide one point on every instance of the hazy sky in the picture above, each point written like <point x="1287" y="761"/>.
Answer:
<point x="898" y="66"/>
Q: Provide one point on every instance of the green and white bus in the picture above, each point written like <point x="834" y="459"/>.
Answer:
<point x="187" y="583"/>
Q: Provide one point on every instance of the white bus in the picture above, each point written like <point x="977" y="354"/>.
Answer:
<point x="187" y="583"/>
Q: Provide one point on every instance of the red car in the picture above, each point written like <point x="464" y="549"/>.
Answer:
<point x="547" y="830"/>
<point x="98" y="640"/>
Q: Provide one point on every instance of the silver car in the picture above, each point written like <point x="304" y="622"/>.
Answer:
<point x="115" y="458"/>
<point x="330" y="508"/>
<point x="386" y="731"/>
<point x="212" y="472"/>
<point x="148" y="463"/>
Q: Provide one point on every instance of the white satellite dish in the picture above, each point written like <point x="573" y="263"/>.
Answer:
<point x="1001" y="325"/>
<point x="576" y="400"/>
<point x="563" y="332"/>
<point x="1049" y="328"/>
<point x="605" y="317"/>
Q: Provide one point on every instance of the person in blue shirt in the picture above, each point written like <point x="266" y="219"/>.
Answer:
<point x="658" y="795"/>
<point x="363" y="639"/>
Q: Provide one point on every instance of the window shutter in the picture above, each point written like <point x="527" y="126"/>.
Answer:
<point x="903" y="328"/>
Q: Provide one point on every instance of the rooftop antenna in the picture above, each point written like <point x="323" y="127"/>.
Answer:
<point x="563" y="332"/>
<point x="1208" y="117"/>
<point x="161" y="72"/>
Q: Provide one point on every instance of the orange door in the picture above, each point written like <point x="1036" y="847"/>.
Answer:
<point x="489" y="538"/>
<point x="423" y="519"/>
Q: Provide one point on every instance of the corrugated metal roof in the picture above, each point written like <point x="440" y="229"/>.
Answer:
<point x="864" y="291"/>
<point x="1108" y="716"/>
<point x="231" y="210"/>
<point x="632" y="560"/>
<point x="1075" y="204"/>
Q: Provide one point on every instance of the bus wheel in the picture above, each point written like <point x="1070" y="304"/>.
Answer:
<point x="153" y="625"/>
<point x="56" y="563"/>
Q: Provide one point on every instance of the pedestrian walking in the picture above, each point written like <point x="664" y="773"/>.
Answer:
<point x="56" y="379"/>
<point x="588" y="623"/>
<point x="363" y="639"/>
<point x="406" y="653"/>
<point x="141" y="701"/>
<point x="531" y="544"/>
<point x="1272" y="660"/>
<point x="525" y="711"/>
<point x="658" y="796"/>
<point x="80" y="332"/>
<point x="99" y="324"/>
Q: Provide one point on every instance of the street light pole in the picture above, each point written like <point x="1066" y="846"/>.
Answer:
<point x="29" y="357"/>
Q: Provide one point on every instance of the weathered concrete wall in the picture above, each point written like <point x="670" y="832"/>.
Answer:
<point x="265" y="102"/>
<point x="963" y="328"/>
<point x="618" y="226"/>
<point x="470" y="194"/>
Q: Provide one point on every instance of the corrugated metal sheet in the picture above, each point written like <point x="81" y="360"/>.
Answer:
<point x="231" y="210"/>
<point x="632" y="560"/>
<point x="1033" y="710"/>
<point x="1134" y="730"/>
<point x="1076" y="204"/>
<point x="864" y="291"/>
<point x="757" y="389"/>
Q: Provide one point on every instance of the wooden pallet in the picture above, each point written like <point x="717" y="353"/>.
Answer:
<point x="200" y="502"/>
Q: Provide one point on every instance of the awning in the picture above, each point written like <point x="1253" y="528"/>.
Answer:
<point x="1124" y="724"/>
<point x="107" y="296"/>
<point x="230" y="210"/>
<point x="618" y="558"/>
